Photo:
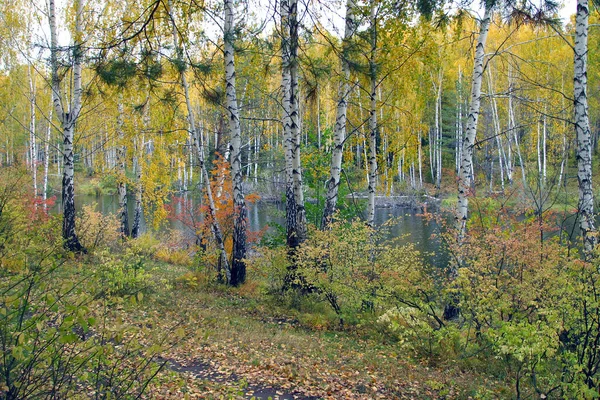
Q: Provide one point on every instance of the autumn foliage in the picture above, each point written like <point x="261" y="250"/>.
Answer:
<point x="196" y="216"/>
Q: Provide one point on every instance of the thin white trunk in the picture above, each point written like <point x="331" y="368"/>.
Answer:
<point x="465" y="177"/>
<point x="67" y="113"/>
<point x="256" y="154"/>
<point x="238" y="265"/>
<point x="538" y="149"/>
<point x="121" y="174"/>
<point x="32" y="139"/>
<point x="544" y="151"/>
<point x="459" y="124"/>
<point x="295" y="212"/>
<point x="47" y="159"/>
<point x="582" y="129"/>
<point x="420" y="163"/>
<point x="512" y="127"/>
<point x="438" y="130"/>
<point x="562" y="160"/>
<point x="497" y="128"/>
<point x="431" y="155"/>
<point x="372" y="117"/>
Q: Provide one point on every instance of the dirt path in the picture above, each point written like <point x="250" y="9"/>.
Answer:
<point x="208" y="371"/>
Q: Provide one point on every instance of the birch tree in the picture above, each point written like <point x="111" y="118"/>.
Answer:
<point x="465" y="176"/>
<point x="32" y="131"/>
<point x="238" y="266"/>
<point x="67" y="112"/>
<point x="372" y="160"/>
<point x="339" y="134"/>
<point x="47" y="160"/>
<point x="121" y="178"/>
<point x="295" y="212"/>
<point x="582" y="129"/>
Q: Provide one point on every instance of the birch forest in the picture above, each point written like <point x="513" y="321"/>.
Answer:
<point x="282" y="199"/>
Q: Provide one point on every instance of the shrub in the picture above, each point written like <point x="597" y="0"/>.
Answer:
<point x="145" y="245"/>
<point x="269" y="265"/>
<point x="123" y="275"/>
<point x="97" y="230"/>
<point x="532" y="306"/>
<point x="352" y="268"/>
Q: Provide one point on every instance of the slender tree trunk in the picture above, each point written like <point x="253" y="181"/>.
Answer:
<point x="295" y="213"/>
<point x="497" y="129"/>
<point x="47" y="160"/>
<point x="438" y="131"/>
<point x="363" y="135"/>
<point x="582" y="129"/>
<point x="420" y="162"/>
<point x="544" y="150"/>
<point x="339" y="135"/>
<point x="538" y="149"/>
<point x="68" y="118"/>
<point x="122" y="179"/>
<point x="431" y="155"/>
<point x="139" y="189"/>
<point x="32" y="139"/>
<point x="256" y="153"/>
<point x="372" y="117"/>
<point x="562" y="160"/>
<point x="459" y="124"/>
<point x="466" y="163"/>
<point x="238" y="266"/>
<point x="512" y="127"/>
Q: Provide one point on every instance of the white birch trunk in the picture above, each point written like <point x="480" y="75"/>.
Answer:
<point x="67" y="113"/>
<point x="121" y="174"/>
<point x="582" y="130"/>
<point x="438" y="131"/>
<point x="295" y="212"/>
<point x="497" y="129"/>
<point x="372" y="118"/>
<point x="465" y="177"/>
<point x="47" y="160"/>
<point x="32" y="139"/>
<point x="544" y="151"/>
<point x="339" y="135"/>
<point x="238" y="265"/>
<point x="562" y="160"/>
<point x="256" y="154"/>
<point x="420" y="163"/>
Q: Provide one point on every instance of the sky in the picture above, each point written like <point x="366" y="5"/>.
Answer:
<point x="330" y="16"/>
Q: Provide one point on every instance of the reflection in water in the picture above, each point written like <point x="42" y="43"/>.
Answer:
<point x="405" y="223"/>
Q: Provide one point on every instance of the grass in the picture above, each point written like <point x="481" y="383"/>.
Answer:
<point x="256" y="341"/>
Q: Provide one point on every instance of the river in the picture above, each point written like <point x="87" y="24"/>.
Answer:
<point x="407" y="225"/>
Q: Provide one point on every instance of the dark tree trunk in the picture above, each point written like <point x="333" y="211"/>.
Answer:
<point x="68" y="195"/>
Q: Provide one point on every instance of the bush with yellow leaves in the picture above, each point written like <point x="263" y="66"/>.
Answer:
<point x="354" y="268"/>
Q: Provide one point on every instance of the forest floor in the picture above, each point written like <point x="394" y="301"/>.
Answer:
<point x="236" y="344"/>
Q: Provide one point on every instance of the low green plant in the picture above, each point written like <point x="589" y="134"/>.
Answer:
<point x="96" y="230"/>
<point x="353" y="269"/>
<point x="124" y="275"/>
